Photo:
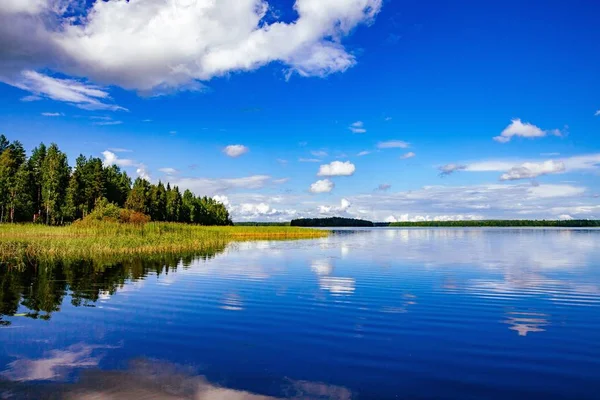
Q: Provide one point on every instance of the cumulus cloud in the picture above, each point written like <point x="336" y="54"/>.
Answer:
<point x="357" y="127"/>
<point x="337" y="168"/>
<point x="393" y="144"/>
<point x="408" y="155"/>
<point x="110" y="158"/>
<point x="524" y="129"/>
<point x="235" y="150"/>
<point x="329" y="210"/>
<point x="322" y="186"/>
<point x="533" y="170"/>
<point x="155" y="46"/>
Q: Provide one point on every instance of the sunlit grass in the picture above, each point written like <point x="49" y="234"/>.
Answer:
<point x="23" y="243"/>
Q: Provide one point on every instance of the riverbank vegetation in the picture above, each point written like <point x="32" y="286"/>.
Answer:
<point x="45" y="189"/>
<point x="112" y="241"/>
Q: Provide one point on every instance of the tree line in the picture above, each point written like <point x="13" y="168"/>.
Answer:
<point x="331" y="222"/>
<point x="572" y="223"/>
<point x="45" y="189"/>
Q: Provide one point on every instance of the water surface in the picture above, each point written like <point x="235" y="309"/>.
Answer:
<point x="363" y="314"/>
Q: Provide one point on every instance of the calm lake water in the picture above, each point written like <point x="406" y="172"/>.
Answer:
<point x="367" y="314"/>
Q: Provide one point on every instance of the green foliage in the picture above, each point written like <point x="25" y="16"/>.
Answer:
<point x="331" y="222"/>
<point x="44" y="189"/>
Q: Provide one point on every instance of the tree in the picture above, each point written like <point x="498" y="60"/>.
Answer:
<point x="138" y="197"/>
<point x="55" y="179"/>
<point x="11" y="160"/>
<point x="36" y="162"/>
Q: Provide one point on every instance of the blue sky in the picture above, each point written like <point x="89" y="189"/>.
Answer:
<point x="466" y="110"/>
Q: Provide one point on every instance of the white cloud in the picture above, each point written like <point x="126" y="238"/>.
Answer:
<point x="235" y="150"/>
<point x="120" y="150"/>
<point x="281" y="181"/>
<point x="319" y="153"/>
<point x="533" y="170"/>
<point x="110" y="158"/>
<point x="524" y="129"/>
<point x="597" y="113"/>
<point x="449" y="169"/>
<point x="337" y="168"/>
<point x="357" y="127"/>
<point x="554" y="191"/>
<point x="169" y="171"/>
<point x="330" y="210"/>
<point x="528" y="169"/>
<point x="311" y="160"/>
<point x="383" y="187"/>
<point x="322" y="186"/>
<point x="363" y="153"/>
<point x="158" y="45"/>
<point x="393" y="144"/>
<point x="427" y="218"/>
<point x="108" y="123"/>
<point x="80" y="94"/>
<point x="408" y="155"/>
<point x="51" y="114"/>
<point x="211" y="186"/>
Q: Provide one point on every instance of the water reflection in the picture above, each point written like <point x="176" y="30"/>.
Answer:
<point x="144" y="379"/>
<point x="526" y="322"/>
<point x="39" y="291"/>
<point x="413" y="313"/>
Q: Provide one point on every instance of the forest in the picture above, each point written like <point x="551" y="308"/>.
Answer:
<point x="43" y="188"/>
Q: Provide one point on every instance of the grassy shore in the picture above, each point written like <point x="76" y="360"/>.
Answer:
<point x="108" y="241"/>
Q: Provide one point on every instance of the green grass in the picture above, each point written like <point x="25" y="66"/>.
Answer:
<point x="111" y="242"/>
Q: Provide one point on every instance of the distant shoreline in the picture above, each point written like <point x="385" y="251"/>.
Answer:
<point x="349" y="222"/>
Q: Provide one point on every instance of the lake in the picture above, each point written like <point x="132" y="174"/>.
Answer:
<point x="363" y="314"/>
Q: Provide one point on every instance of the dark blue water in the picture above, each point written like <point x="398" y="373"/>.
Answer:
<point x="373" y="314"/>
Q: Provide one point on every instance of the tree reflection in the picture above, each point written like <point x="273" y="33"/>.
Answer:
<point x="38" y="290"/>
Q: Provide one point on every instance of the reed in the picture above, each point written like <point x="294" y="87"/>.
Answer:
<point x="112" y="241"/>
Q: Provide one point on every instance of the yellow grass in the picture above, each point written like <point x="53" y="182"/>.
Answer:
<point x="28" y="243"/>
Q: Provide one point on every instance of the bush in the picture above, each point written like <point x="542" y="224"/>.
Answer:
<point x="106" y="211"/>
<point x="133" y="217"/>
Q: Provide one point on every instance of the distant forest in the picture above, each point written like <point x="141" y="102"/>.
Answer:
<point x="331" y="222"/>
<point x="45" y="189"/>
<point x="574" y="223"/>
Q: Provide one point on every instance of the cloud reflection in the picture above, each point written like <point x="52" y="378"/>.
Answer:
<point x="148" y="379"/>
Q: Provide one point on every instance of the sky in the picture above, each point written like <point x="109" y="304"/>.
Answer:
<point x="385" y="110"/>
